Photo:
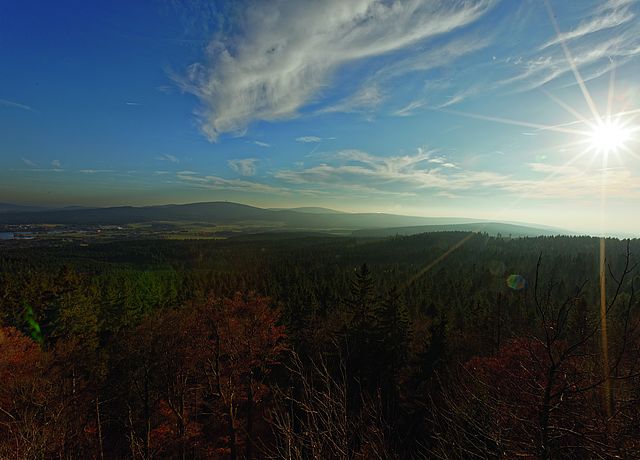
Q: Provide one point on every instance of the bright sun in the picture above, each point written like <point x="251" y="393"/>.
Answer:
<point x="609" y="136"/>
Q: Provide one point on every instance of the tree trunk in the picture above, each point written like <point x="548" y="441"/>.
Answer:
<point x="147" y="417"/>
<point x="232" y="432"/>
<point x="545" y="413"/>
<point x="99" y="430"/>
<point x="249" y="448"/>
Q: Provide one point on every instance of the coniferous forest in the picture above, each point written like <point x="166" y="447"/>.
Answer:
<point x="444" y="345"/>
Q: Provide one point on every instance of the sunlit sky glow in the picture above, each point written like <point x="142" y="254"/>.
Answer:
<point x="502" y="110"/>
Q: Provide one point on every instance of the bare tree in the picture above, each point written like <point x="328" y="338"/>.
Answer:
<point x="313" y="418"/>
<point x="551" y="394"/>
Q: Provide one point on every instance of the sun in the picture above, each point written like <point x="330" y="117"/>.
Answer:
<point x="609" y="136"/>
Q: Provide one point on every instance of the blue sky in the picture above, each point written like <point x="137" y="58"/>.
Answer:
<point x="432" y="108"/>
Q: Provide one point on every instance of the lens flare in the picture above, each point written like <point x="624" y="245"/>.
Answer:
<point x="516" y="282"/>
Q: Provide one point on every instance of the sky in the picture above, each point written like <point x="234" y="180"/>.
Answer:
<point x="479" y="108"/>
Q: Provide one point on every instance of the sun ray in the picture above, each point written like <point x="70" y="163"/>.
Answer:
<point x="435" y="262"/>
<point x="572" y="64"/>
<point x="508" y="121"/>
<point x="631" y="152"/>
<point x="612" y="78"/>
<point x="565" y="106"/>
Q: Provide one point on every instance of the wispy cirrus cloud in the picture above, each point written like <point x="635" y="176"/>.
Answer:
<point x="367" y="98"/>
<point x="409" y="109"/>
<point x="15" y="105"/>
<point x="278" y="56"/>
<point x="96" y="171"/>
<point x="244" y="167"/>
<point x="424" y="172"/>
<point x="309" y="139"/>
<point x="262" y="144"/>
<point x="611" y="18"/>
<point x="212" y="182"/>
<point x="169" y="158"/>
<point x="591" y="52"/>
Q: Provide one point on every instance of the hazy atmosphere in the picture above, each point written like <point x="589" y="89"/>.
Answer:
<point x="467" y="109"/>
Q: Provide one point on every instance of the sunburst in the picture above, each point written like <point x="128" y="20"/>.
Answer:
<point x="609" y="136"/>
<point x="601" y="136"/>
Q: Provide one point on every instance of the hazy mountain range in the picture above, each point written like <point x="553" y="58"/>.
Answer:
<point x="293" y="219"/>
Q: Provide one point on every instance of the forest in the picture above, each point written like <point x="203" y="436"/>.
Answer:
<point x="446" y="345"/>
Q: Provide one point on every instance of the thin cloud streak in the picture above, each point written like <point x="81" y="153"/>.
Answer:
<point x="15" y="105"/>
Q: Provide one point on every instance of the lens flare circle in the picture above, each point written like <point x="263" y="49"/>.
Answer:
<point x="516" y="282"/>
<point x="609" y="136"/>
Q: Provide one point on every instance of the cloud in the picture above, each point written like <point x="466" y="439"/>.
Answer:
<point x="280" y="56"/>
<point x="378" y="172"/>
<point x="262" y="144"/>
<point x="220" y="183"/>
<point x="408" y="109"/>
<point x="169" y="158"/>
<point x="309" y="139"/>
<point x="134" y="104"/>
<point x="612" y="18"/>
<point x="95" y="171"/>
<point x="423" y="172"/>
<point x="28" y="162"/>
<point x="15" y="105"/>
<point x="56" y="164"/>
<point x="460" y="96"/>
<point x="367" y="98"/>
<point x="594" y="56"/>
<point x="244" y="167"/>
<point x="449" y="195"/>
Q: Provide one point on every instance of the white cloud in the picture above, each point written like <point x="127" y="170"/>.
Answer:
<point x="411" y="174"/>
<point x="446" y="194"/>
<point x="244" y="167"/>
<point x="593" y="56"/>
<point x="612" y="18"/>
<point x="169" y="158"/>
<point x="220" y="183"/>
<point x="28" y="162"/>
<point x="262" y="144"/>
<point x="367" y="98"/>
<point x="438" y="160"/>
<point x="408" y="109"/>
<point x="56" y="164"/>
<point x="95" y="171"/>
<point x="281" y="55"/>
<point x="309" y="139"/>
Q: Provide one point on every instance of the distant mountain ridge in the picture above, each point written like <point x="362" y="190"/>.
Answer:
<point x="225" y="213"/>
<point x="310" y="210"/>
<point x="8" y="207"/>
<point x="492" y="228"/>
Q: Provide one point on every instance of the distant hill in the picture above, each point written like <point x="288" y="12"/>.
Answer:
<point x="8" y="207"/>
<point x="491" y="228"/>
<point x="310" y="210"/>
<point x="219" y="213"/>
<point x="298" y="219"/>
